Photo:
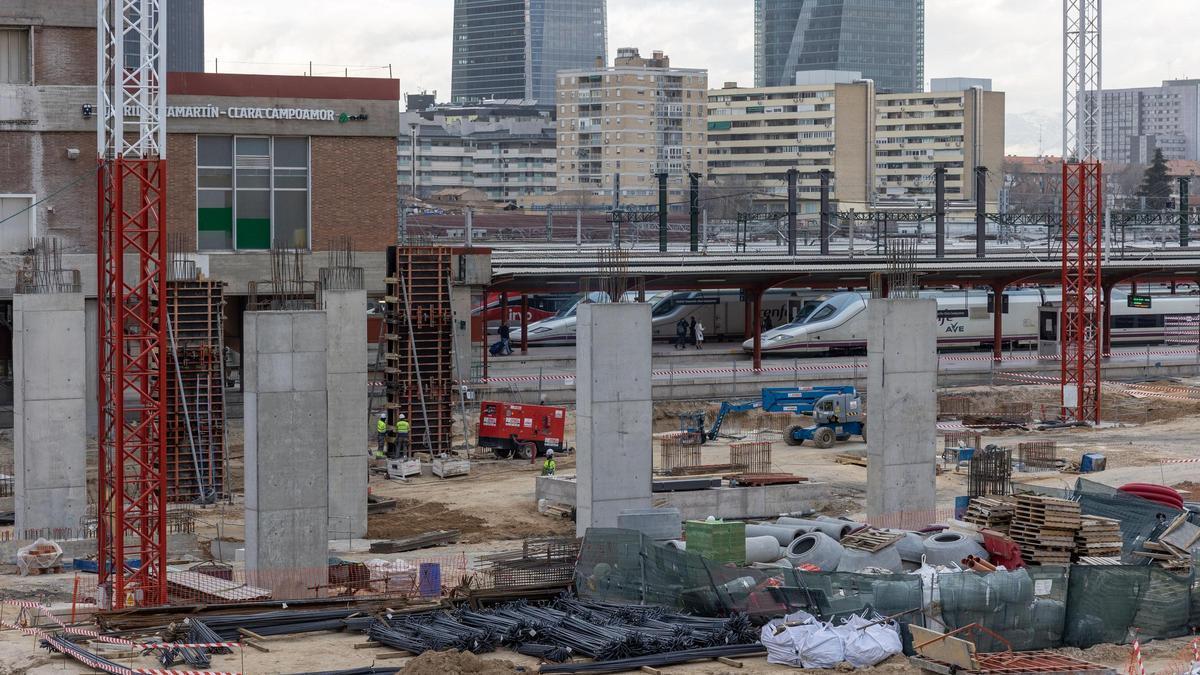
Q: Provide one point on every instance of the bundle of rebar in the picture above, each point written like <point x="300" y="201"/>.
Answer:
<point x="284" y="622"/>
<point x="564" y="628"/>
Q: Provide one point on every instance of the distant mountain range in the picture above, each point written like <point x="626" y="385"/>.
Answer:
<point x="1032" y="133"/>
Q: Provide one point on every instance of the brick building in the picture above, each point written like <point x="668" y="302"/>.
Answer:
<point x="253" y="160"/>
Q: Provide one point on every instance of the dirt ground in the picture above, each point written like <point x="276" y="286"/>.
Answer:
<point x="494" y="509"/>
<point x="291" y="654"/>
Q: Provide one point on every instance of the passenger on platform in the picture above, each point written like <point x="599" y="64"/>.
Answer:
<point x="699" y="335"/>
<point x="681" y="332"/>
<point x="692" y="331"/>
<point x="549" y="466"/>
<point x="504" y="346"/>
<point x="767" y="323"/>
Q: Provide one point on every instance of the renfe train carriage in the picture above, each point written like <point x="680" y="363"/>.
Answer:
<point x="965" y="320"/>
<point x="723" y="313"/>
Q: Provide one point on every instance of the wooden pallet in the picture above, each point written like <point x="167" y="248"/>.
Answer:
<point x="854" y="460"/>
<point x="870" y="540"/>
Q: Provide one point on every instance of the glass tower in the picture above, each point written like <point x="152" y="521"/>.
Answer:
<point x="512" y="48"/>
<point x="882" y="39"/>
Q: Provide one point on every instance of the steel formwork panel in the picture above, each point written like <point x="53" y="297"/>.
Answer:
<point x="418" y="373"/>
<point x="196" y="308"/>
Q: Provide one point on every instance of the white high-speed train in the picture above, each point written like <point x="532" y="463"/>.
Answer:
<point x="965" y="320"/>
<point x="723" y="313"/>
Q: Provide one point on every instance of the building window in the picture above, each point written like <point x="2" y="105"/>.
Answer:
<point x="14" y="56"/>
<point x="17" y="226"/>
<point x="252" y="192"/>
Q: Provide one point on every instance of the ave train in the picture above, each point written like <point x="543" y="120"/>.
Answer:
<point x="965" y="320"/>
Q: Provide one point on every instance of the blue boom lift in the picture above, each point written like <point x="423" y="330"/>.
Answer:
<point x="837" y="414"/>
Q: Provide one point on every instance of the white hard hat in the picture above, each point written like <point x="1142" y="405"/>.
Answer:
<point x="401" y="415"/>
<point x="383" y="416"/>
<point x="549" y="453"/>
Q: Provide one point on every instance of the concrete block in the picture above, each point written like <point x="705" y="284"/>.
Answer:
<point x="49" y="410"/>
<point x="274" y="372"/>
<point x="348" y="496"/>
<point x="349" y="425"/>
<point x="347" y="330"/>
<point x="901" y="409"/>
<point x="287" y="458"/>
<point x="308" y="331"/>
<point x="308" y="371"/>
<point x="273" y="331"/>
<point x="614" y="412"/>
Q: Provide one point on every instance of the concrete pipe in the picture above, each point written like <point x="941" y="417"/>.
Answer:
<point x="762" y="549"/>
<point x="836" y="530"/>
<point x="854" y="560"/>
<point x="948" y="548"/>
<point x="677" y="544"/>
<point x="911" y="547"/>
<point x="816" y="548"/>
<point x="784" y="534"/>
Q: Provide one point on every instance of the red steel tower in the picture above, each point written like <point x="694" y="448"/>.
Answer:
<point x="131" y="252"/>
<point x="1081" y="325"/>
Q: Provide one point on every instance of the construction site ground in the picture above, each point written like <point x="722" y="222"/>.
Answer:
<point x="494" y="509"/>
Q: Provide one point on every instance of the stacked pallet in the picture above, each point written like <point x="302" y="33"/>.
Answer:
<point x="1045" y="527"/>
<point x="993" y="513"/>
<point x="1098" y="537"/>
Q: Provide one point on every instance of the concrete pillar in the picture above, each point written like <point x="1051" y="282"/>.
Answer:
<point x="346" y="382"/>
<point x="49" y="413"/>
<point x="901" y="411"/>
<point x="613" y="412"/>
<point x="287" y="464"/>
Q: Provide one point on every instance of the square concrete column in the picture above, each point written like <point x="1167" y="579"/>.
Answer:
<point x="614" y="412"/>
<point x="901" y="411"/>
<point x="346" y="379"/>
<point x="49" y="413"/>
<point x="287" y="463"/>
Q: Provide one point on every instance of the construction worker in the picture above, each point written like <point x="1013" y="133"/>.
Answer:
<point x="380" y="435"/>
<point x="402" y="429"/>
<point x="549" y="466"/>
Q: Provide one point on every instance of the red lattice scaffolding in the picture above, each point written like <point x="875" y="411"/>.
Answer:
<point x="133" y="377"/>
<point x="1082" y="299"/>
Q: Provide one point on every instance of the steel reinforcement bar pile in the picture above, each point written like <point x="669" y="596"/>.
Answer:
<point x="563" y="629"/>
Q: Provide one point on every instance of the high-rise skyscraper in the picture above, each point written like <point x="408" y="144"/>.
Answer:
<point x="185" y="36"/>
<point x="882" y="39"/>
<point x="512" y="48"/>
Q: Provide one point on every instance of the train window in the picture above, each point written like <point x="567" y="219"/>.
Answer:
<point x="831" y="307"/>
<point x="1138" y="321"/>
<point x="665" y="307"/>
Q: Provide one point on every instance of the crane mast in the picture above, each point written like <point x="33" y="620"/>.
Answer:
<point x="131" y="148"/>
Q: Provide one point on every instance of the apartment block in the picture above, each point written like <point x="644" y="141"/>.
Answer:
<point x="915" y="133"/>
<point x="1136" y="122"/>
<point x="755" y="135"/>
<point x="881" y="149"/>
<point x="504" y="150"/>
<point x="635" y="119"/>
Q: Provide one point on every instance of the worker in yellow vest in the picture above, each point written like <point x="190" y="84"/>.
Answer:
<point x="549" y="466"/>
<point x="380" y="436"/>
<point x="402" y="429"/>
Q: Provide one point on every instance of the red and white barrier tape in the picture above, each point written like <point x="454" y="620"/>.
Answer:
<point x="1138" y="662"/>
<point x="95" y="635"/>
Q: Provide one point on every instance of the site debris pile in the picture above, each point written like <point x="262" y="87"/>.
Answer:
<point x="1045" y="527"/>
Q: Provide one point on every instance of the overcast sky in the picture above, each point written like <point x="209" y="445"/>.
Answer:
<point x="1017" y="43"/>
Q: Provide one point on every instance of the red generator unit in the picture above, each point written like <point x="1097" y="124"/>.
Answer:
<point x="519" y="429"/>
